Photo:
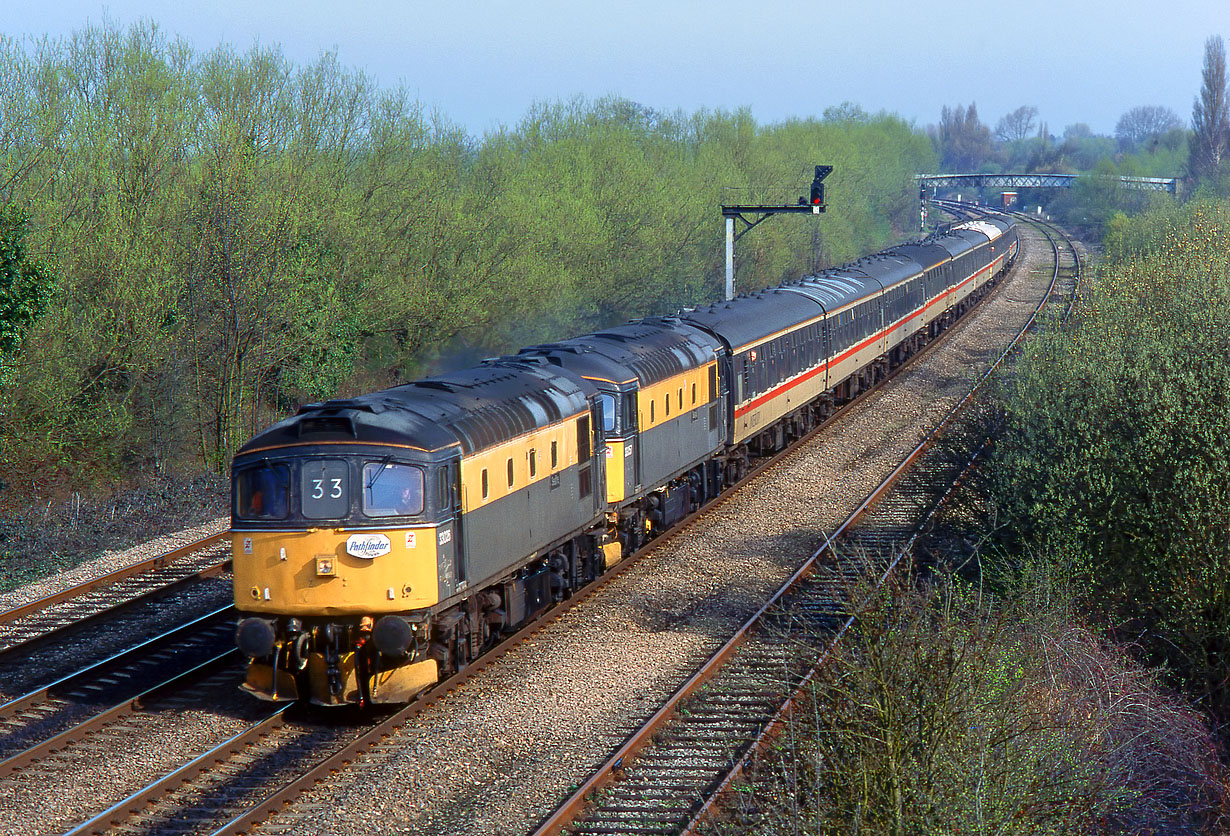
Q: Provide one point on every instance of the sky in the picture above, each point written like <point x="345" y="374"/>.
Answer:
<point x="483" y="64"/>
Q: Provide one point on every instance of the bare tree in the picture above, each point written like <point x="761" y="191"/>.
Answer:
<point x="1077" y="131"/>
<point x="963" y="140"/>
<point x="1017" y="125"/>
<point x="1145" y="124"/>
<point x="1209" y="113"/>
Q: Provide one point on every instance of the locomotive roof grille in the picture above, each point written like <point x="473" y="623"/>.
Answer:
<point x="327" y="424"/>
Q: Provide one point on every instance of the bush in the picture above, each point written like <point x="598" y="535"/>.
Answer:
<point x="1115" y="450"/>
<point x="945" y="713"/>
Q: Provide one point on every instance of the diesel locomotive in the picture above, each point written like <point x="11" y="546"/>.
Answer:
<point x="382" y="542"/>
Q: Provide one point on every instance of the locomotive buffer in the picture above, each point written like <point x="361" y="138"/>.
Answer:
<point x="812" y="205"/>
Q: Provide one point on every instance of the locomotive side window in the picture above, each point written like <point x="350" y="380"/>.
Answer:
<point x="533" y="463"/>
<point x="630" y="411"/>
<point x="324" y="489"/>
<point x="554" y="454"/>
<point x="263" y="493"/>
<point x="583" y="448"/>
<point x="392" y="490"/>
<point x="443" y="492"/>
<point x="510" y="473"/>
<point x="486" y="484"/>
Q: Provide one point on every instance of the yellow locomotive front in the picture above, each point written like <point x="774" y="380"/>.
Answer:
<point x="342" y="552"/>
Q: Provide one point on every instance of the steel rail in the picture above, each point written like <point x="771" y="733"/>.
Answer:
<point x="111" y="578"/>
<point x="574" y="805"/>
<point x="41" y="751"/>
<point x="117" y="813"/>
<point x="126" y="656"/>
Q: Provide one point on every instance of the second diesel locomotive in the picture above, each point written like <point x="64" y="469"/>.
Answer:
<point x="383" y="542"/>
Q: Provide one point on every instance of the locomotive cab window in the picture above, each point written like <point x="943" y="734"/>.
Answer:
<point x="609" y="413"/>
<point x="324" y="489"/>
<point x="392" y="490"/>
<point x="263" y="493"/>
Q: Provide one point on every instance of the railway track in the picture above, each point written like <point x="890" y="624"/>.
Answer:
<point x="668" y="774"/>
<point x="258" y="771"/>
<point x="51" y="718"/>
<point x="48" y="619"/>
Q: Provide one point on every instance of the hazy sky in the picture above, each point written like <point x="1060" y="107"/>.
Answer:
<point x="484" y="63"/>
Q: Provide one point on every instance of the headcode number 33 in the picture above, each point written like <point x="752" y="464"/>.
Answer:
<point x="318" y="488"/>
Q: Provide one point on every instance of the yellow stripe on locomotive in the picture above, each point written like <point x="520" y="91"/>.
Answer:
<point x="314" y="572"/>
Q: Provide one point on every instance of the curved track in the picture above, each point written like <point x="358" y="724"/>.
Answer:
<point x="257" y="772"/>
<point x="668" y="773"/>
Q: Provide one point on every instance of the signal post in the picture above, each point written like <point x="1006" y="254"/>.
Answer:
<point x="813" y="205"/>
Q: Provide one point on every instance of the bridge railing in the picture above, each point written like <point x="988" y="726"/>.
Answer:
<point x="1039" y="181"/>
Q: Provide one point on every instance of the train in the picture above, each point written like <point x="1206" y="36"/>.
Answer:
<point x="383" y="542"/>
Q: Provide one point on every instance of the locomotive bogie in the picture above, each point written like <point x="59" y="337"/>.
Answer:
<point x="338" y="683"/>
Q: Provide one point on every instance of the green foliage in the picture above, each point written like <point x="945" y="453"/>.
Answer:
<point x="235" y="235"/>
<point x="1116" y="451"/>
<point x="942" y="712"/>
<point x="25" y="286"/>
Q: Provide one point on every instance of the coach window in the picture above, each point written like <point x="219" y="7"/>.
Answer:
<point x="392" y="490"/>
<point x="263" y="493"/>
